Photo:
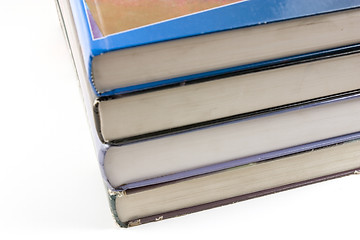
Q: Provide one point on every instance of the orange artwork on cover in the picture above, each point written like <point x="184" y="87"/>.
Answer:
<point x="113" y="16"/>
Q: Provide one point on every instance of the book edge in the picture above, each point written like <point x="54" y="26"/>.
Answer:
<point x="206" y="206"/>
<point x="237" y="70"/>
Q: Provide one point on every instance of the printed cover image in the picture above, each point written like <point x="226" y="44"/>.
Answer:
<point x="113" y="16"/>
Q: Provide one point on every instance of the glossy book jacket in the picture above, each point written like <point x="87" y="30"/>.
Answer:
<point x="110" y="25"/>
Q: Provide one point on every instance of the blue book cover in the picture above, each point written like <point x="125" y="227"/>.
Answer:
<point x="109" y="25"/>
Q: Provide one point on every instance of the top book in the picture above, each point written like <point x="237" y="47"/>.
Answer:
<point x="133" y="45"/>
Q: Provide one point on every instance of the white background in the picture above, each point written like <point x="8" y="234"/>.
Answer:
<point x="50" y="184"/>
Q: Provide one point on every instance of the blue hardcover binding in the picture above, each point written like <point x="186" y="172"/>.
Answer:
<point x="239" y="14"/>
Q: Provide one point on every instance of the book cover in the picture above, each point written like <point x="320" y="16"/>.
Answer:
<point x="109" y="25"/>
<point x="108" y="17"/>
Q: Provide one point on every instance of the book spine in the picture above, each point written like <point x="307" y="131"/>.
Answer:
<point x="88" y="47"/>
<point x="89" y="98"/>
<point x="112" y="195"/>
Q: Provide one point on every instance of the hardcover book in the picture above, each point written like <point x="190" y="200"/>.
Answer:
<point x="133" y="45"/>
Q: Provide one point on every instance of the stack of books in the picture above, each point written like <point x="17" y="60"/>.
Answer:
<point x="198" y="104"/>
